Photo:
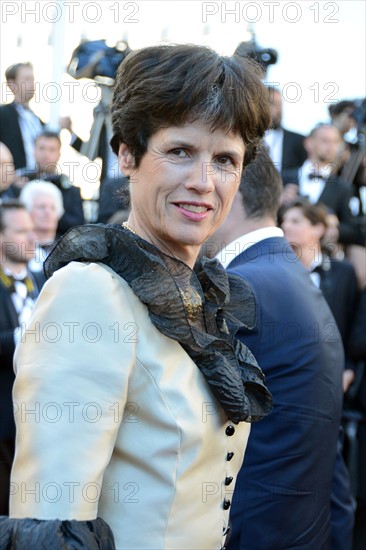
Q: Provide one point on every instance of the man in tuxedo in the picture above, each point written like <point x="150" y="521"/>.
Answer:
<point x="18" y="291"/>
<point x="292" y="468"/>
<point x="317" y="180"/>
<point x="285" y="148"/>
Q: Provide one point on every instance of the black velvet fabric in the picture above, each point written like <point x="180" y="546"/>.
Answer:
<point x="34" y="534"/>
<point x="202" y="309"/>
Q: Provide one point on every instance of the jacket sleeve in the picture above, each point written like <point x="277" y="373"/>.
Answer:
<point x="23" y="534"/>
<point x="72" y="371"/>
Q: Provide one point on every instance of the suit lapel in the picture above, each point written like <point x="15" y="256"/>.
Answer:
<point x="9" y="315"/>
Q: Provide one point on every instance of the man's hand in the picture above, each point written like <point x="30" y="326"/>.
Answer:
<point x="289" y="193"/>
<point x="65" y="123"/>
<point x="348" y="379"/>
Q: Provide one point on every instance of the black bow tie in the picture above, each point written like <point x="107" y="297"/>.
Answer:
<point x="314" y="176"/>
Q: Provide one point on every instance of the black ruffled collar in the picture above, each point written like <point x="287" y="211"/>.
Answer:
<point x="202" y="309"/>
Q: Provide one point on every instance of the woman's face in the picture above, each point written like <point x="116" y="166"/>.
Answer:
<point x="298" y="229"/>
<point x="184" y="186"/>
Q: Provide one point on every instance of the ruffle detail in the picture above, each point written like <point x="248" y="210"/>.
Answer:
<point x="34" y="534"/>
<point x="202" y="309"/>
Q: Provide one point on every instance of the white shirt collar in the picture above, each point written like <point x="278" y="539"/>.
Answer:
<point x="21" y="275"/>
<point x="233" y="249"/>
<point x="318" y="259"/>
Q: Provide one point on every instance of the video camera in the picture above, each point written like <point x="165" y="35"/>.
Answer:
<point x="251" y="49"/>
<point x="95" y="58"/>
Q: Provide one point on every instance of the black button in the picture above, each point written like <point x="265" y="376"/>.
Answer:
<point x="229" y="456"/>
<point x="228" y="480"/>
<point x="230" y="430"/>
<point x="226" y="504"/>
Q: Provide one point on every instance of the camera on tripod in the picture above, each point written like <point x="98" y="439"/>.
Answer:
<point x="95" y="58"/>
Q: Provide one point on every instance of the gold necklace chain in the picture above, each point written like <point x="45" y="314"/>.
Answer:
<point x="125" y="224"/>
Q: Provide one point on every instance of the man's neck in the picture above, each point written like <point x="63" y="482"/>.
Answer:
<point x="318" y="164"/>
<point x="307" y="254"/>
<point x="14" y="267"/>
<point x="339" y="125"/>
<point x="249" y="225"/>
<point x="45" y="237"/>
<point x="24" y="104"/>
<point x="244" y="227"/>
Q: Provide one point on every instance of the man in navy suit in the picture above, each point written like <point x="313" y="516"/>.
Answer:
<point x="292" y="469"/>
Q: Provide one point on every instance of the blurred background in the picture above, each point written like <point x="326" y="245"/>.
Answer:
<point x="319" y="47"/>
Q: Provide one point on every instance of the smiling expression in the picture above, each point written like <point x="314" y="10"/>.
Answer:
<point x="184" y="186"/>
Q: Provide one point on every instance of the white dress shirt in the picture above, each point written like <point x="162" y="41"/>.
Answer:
<point x="30" y="128"/>
<point x="274" y="141"/>
<point x="314" y="275"/>
<point x="309" y="187"/>
<point x="233" y="249"/>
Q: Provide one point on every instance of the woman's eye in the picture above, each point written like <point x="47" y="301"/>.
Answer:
<point x="178" y="152"/>
<point x="224" y="160"/>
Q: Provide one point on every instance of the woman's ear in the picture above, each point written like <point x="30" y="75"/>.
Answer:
<point x="126" y="160"/>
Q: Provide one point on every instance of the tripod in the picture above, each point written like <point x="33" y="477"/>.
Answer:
<point x="101" y="118"/>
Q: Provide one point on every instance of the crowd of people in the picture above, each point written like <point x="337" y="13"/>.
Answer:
<point x="288" y="241"/>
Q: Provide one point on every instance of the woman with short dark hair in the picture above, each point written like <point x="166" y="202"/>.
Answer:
<point x="136" y="355"/>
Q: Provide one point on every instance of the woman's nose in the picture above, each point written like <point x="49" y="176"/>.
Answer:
<point x="202" y="177"/>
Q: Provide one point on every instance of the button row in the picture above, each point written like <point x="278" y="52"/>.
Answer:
<point x="230" y="430"/>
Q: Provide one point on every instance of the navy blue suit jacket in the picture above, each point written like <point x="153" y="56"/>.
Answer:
<point x="282" y="496"/>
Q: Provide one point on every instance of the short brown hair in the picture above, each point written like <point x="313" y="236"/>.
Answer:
<point x="171" y="85"/>
<point x="6" y="206"/>
<point x="48" y="134"/>
<point x="315" y="213"/>
<point x="12" y="71"/>
<point x="261" y="187"/>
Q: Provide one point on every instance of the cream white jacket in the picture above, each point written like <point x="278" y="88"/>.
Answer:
<point x="115" y="420"/>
